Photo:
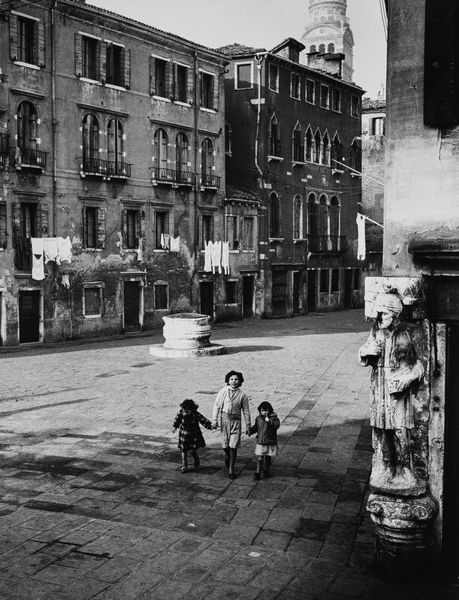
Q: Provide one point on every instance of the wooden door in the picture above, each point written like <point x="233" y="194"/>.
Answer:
<point x="29" y="316"/>
<point x="279" y="292"/>
<point x="312" y="290"/>
<point x="247" y="296"/>
<point x="131" y="305"/>
<point x="296" y="292"/>
<point x="206" y="292"/>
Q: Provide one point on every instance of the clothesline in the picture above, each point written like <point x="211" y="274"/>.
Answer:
<point x="358" y="172"/>
<point x="371" y="220"/>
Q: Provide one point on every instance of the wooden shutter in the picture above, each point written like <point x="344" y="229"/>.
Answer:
<point x="441" y="63"/>
<point x="143" y="227"/>
<point x="13" y="36"/>
<point x="152" y="76"/>
<point x="103" y="61"/>
<point x="190" y="85"/>
<point x="98" y="59"/>
<point x="138" y="228"/>
<point x="216" y="91"/>
<point x="41" y="44"/>
<point x="35" y="43"/>
<point x="16" y="221"/>
<point x="78" y="55"/>
<point x="42" y="220"/>
<point x="126" y="57"/>
<point x="124" y="230"/>
<point x="101" y="212"/>
<point x="84" y="227"/>
<point x="3" y="230"/>
<point x="201" y="88"/>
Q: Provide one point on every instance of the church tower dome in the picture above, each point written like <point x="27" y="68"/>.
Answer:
<point x="328" y="30"/>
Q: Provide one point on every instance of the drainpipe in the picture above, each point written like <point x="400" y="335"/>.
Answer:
<point x="195" y="128"/>
<point x="53" y="114"/>
<point x="259" y="59"/>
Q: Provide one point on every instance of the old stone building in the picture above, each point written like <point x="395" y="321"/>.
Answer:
<point x="112" y="156"/>
<point x="295" y="132"/>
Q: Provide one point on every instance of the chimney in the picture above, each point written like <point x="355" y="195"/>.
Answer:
<point x="331" y="63"/>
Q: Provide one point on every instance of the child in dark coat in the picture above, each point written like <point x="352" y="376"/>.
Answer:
<point x="266" y="426"/>
<point x="190" y="436"/>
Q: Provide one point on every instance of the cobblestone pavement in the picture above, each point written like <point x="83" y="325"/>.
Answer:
<point x="93" y="504"/>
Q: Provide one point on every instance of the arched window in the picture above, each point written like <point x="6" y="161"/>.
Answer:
<point x="182" y="148"/>
<point x="207" y="161"/>
<point x="322" y="48"/>
<point x="297" y="144"/>
<point x="356" y="155"/>
<point x="335" y="222"/>
<point x="313" y="48"/>
<point x="115" y="146"/>
<point x="323" y="222"/>
<point x="274" y="215"/>
<point x="317" y="146"/>
<point x="325" y="155"/>
<point x="27" y="126"/>
<point x="160" y="153"/>
<point x="297" y="217"/>
<point x="331" y="48"/>
<point x="309" y="143"/>
<point x="313" y="227"/>
<point x="336" y="152"/>
<point x="91" y="161"/>
<point x="274" y="137"/>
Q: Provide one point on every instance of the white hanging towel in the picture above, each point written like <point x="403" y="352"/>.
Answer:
<point x="139" y="251"/>
<point x="64" y="250"/>
<point x="361" y="247"/>
<point x="50" y="248"/>
<point x="175" y="244"/>
<point x="38" y="269"/>
<point x="208" y="256"/>
<point x="225" y="257"/>
<point x="217" y="257"/>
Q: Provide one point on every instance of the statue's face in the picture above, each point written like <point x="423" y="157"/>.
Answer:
<point x="387" y="318"/>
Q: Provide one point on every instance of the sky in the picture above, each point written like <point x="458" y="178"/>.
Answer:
<point x="261" y="23"/>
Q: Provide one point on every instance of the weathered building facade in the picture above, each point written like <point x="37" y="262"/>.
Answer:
<point x="421" y="241"/>
<point x="112" y="135"/>
<point x="294" y="130"/>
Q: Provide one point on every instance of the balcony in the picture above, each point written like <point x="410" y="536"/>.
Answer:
<point x="93" y="167"/>
<point x="172" y="177"/>
<point x="118" y="169"/>
<point x="322" y="244"/>
<point x="28" y="158"/>
<point x="210" y="182"/>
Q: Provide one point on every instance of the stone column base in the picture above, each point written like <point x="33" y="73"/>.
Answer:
<point x="401" y="525"/>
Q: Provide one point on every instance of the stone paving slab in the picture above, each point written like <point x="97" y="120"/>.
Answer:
<point x="93" y="505"/>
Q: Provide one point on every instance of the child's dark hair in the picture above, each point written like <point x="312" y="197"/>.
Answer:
<point x="189" y="404"/>
<point x="265" y="406"/>
<point x="238" y="375"/>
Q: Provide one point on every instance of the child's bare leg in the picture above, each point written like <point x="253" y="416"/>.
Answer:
<point x="196" y="458"/>
<point x="232" y="461"/>
<point x="184" y="461"/>
<point x="257" y="473"/>
<point x="227" y="457"/>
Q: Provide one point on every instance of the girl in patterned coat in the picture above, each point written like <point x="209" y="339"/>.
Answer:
<point x="190" y="436"/>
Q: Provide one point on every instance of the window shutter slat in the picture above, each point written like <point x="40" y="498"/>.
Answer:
<point x="98" y="60"/>
<point x="3" y="230"/>
<point x="126" y="54"/>
<point x="35" y="43"/>
<point x="84" y="224"/>
<point x="41" y="44"/>
<point x="16" y="221"/>
<point x="152" y="76"/>
<point x="78" y="55"/>
<point x="170" y="80"/>
<point x="101" y="212"/>
<point x="103" y="61"/>
<point x="190" y="85"/>
<point x="216" y="94"/>
<point x="124" y="226"/>
<point x="143" y="227"/>
<point x="13" y="37"/>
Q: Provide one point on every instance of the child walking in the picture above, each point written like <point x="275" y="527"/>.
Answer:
<point x="266" y="426"/>
<point x="190" y="436"/>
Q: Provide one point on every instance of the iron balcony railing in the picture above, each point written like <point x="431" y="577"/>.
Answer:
<point x="325" y="243"/>
<point x="210" y="182"/>
<point x="27" y="158"/>
<point x="119" y="169"/>
<point x="93" y="166"/>
<point x="172" y="177"/>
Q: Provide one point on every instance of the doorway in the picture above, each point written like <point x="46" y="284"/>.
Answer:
<point x="312" y="290"/>
<point x="131" y="306"/>
<point x="279" y="292"/>
<point x="206" y="293"/>
<point x="348" y="288"/>
<point x="296" y="292"/>
<point x="247" y="296"/>
<point x="29" y="316"/>
<point x="451" y="480"/>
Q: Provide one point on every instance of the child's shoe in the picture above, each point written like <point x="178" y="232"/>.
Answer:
<point x="184" y="469"/>
<point x="197" y="462"/>
<point x="257" y="476"/>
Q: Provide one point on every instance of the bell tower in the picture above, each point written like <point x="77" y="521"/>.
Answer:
<point x="328" y="30"/>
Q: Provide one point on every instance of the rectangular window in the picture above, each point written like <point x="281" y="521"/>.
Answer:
<point x="310" y="91"/>
<point x="28" y="220"/>
<point x="115" y="65"/>
<point x="295" y="90"/>
<point x="230" y="289"/>
<point x="132" y="226"/>
<point x="161" y="228"/>
<point x="377" y="126"/>
<point x="324" y="96"/>
<point x="335" y="280"/>
<point x="90" y="54"/>
<point x="324" y="281"/>
<point x="355" y="112"/>
<point x="232" y="232"/>
<point x="273" y="78"/>
<point x="90" y="227"/>
<point x="247" y="233"/>
<point x="207" y="90"/>
<point x="161" y="296"/>
<point x="26" y="40"/>
<point x="243" y="76"/>
<point x="336" y="100"/>
<point x="92" y="301"/>
<point x="161" y="78"/>
<point x="181" y="82"/>
<point x="207" y="230"/>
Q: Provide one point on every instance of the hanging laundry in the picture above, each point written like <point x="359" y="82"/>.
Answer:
<point x="165" y="241"/>
<point x="65" y="280"/>
<point x="217" y="257"/>
<point x="208" y="257"/>
<point x="139" y="251"/>
<point x="175" y="244"/>
<point x="64" y="250"/>
<point x="50" y="249"/>
<point x="225" y="257"/>
<point x="38" y="270"/>
<point x="361" y="245"/>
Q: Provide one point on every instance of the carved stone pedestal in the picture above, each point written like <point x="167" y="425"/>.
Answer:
<point x="401" y="525"/>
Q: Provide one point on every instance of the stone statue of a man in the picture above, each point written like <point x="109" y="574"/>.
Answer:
<point x="396" y="369"/>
